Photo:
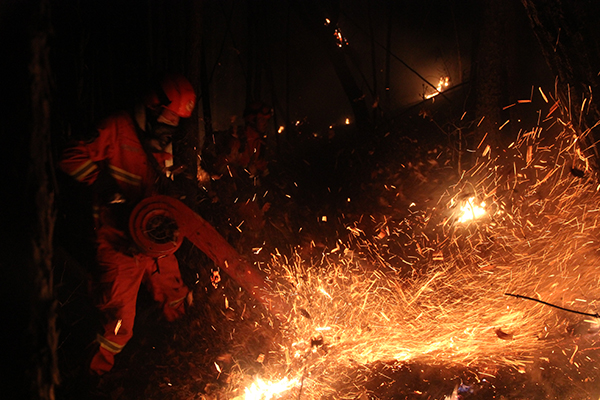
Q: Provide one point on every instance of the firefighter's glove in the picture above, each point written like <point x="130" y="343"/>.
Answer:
<point x="116" y="198"/>
<point x="118" y="213"/>
<point x="107" y="189"/>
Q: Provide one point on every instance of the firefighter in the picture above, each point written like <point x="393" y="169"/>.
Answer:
<point x="245" y="145"/>
<point x="130" y="154"/>
<point x="241" y="165"/>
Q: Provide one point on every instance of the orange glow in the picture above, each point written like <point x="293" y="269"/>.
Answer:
<point x="471" y="211"/>
<point x="267" y="390"/>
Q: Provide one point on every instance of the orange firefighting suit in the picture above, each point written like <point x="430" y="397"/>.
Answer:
<point x="243" y="151"/>
<point x="118" y="149"/>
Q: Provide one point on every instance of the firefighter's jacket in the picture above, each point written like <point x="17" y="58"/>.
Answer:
<point x="118" y="152"/>
<point x="243" y="151"/>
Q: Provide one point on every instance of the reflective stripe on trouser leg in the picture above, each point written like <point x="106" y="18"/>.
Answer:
<point x="113" y="347"/>
<point x="119" y="284"/>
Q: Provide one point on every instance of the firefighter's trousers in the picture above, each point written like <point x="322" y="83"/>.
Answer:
<point x="122" y="276"/>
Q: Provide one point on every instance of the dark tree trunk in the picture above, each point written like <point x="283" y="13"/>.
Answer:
<point x="252" y="75"/>
<point x="568" y="32"/>
<point x="43" y="315"/>
<point x="374" y="68"/>
<point x="314" y="15"/>
<point x="487" y="73"/>
<point x="258" y="60"/>
<point x="204" y="94"/>
<point x="492" y="75"/>
<point x="201" y="120"/>
<point x="388" y="51"/>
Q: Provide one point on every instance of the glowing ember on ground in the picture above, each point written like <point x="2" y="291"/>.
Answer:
<point x="267" y="390"/>
<point x="471" y="211"/>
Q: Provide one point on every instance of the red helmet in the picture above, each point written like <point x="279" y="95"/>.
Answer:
<point x="174" y="93"/>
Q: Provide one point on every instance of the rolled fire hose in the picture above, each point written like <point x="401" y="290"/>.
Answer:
<point x="158" y="225"/>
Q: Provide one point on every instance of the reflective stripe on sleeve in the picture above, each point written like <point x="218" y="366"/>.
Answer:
<point x="84" y="170"/>
<point x="124" y="176"/>
<point x="108" y="345"/>
<point x="175" y="303"/>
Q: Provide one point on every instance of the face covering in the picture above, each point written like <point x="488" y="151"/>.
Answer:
<point x="160" y="135"/>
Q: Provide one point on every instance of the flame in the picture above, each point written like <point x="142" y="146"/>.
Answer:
<point x="442" y="85"/>
<point x="339" y="38"/>
<point x="266" y="390"/>
<point x="471" y="211"/>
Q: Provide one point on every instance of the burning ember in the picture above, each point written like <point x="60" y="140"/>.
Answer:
<point x="471" y="211"/>
<point x="442" y="85"/>
<point x="267" y="390"/>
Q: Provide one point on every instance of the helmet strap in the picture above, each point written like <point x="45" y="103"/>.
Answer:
<point x="162" y="96"/>
<point x="150" y="122"/>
